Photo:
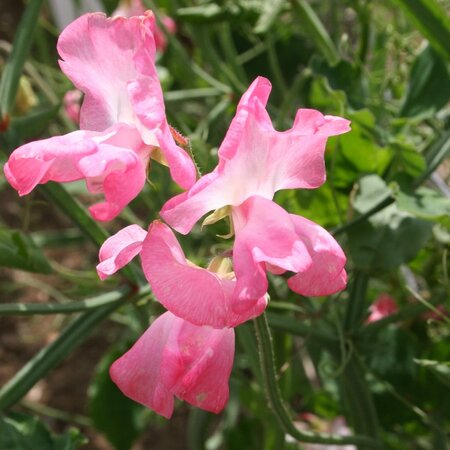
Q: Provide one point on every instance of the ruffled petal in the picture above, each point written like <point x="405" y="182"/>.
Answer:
<point x="112" y="60"/>
<point x="264" y="234"/>
<point x="112" y="163"/>
<point x="138" y="372"/>
<point x="53" y="159"/>
<point x="118" y="250"/>
<point x="175" y="358"/>
<point x="255" y="159"/>
<point x="326" y="275"/>
<point x="198" y="295"/>
<point x="101" y="56"/>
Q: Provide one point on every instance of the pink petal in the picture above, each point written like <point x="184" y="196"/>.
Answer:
<point x="382" y="307"/>
<point x="71" y="103"/>
<point x="101" y="56"/>
<point x="175" y="358"/>
<point x="118" y="250"/>
<point x="255" y="159"/>
<point x="53" y="159"/>
<point x="112" y="163"/>
<point x="113" y="62"/>
<point x="264" y="234"/>
<point x="190" y="292"/>
<point x="326" y="275"/>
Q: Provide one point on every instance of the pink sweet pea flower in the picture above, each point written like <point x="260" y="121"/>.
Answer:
<point x="174" y="358"/>
<point x="201" y="296"/>
<point x="255" y="161"/>
<point x="382" y="307"/>
<point x="72" y="105"/>
<point x="112" y="61"/>
<point x="130" y="8"/>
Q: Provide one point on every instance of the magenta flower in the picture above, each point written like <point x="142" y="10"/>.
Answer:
<point x="112" y="61"/>
<point x="201" y="296"/>
<point x="382" y="307"/>
<point x="174" y="358"/>
<point x="255" y="161"/>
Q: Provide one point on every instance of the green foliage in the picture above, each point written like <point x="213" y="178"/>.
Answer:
<point x="118" y="417"/>
<point x="19" y="432"/>
<point x="18" y="250"/>
<point x="366" y="61"/>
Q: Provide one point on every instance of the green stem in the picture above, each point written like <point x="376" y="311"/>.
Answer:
<point x="14" y="65"/>
<point x="272" y="389"/>
<point x="312" y="25"/>
<point x="73" y="336"/>
<point x="25" y="309"/>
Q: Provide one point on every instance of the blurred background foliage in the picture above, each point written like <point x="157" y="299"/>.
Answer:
<point x="385" y="66"/>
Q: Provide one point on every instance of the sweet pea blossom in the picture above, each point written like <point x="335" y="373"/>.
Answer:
<point x="201" y="296"/>
<point x="122" y="118"/>
<point x="130" y="8"/>
<point x="174" y="358"/>
<point x="382" y="307"/>
<point x="255" y="161"/>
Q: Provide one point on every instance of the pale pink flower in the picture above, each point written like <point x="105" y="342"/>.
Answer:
<point x="201" y="296"/>
<point x="174" y="358"/>
<point x="255" y="161"/>
<point x="72" y="105"/>
<point x="382" y="307"/>
<point x="130" y="8"/>
<point x="112" y="61"/>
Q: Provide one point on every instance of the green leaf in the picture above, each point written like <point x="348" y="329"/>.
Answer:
<point x="432" y="20"/>
<point x="16" y="60"/>
<point x="312" y="25"/>
<point x="115" y="415"/>
<point x="21" y="432"/>
<point x="18" y="251"/>
<point x="440" y="369"/>
<point x="428" y="87"/>
<point x="407" y="159"/>
<point x="424" y="203"/>
<point x="388" y="238"/>
<point x="270" y="10"/>
<point x="34" y="124"/>
<point x="358" y="151"/>
<point x="342" y="76"/>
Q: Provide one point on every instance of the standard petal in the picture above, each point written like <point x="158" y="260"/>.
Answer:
<point x="198" y="295"/>
<point x="255" y="159"/>
<point x="175" y="358"/>
<point x="118" y="250"/>
<point x="326" y="275"/>
<point x="264" y="234"/>
<point x="101" y="56"/>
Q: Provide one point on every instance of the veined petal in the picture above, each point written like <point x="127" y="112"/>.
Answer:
<point x="198" y="295"/>
<point x="264" y="234"/>
<point x="326" y="275"/>
<point x="53" y="159"/>
<point x="101" y="56"/>
<point x="112" y="60"/>
<point x="138" y="372"/>
<point x="112" y="163"/>
<point x="175" y="358"/>
<point x="118" y="250"/>
<point x="255" y="159"/>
